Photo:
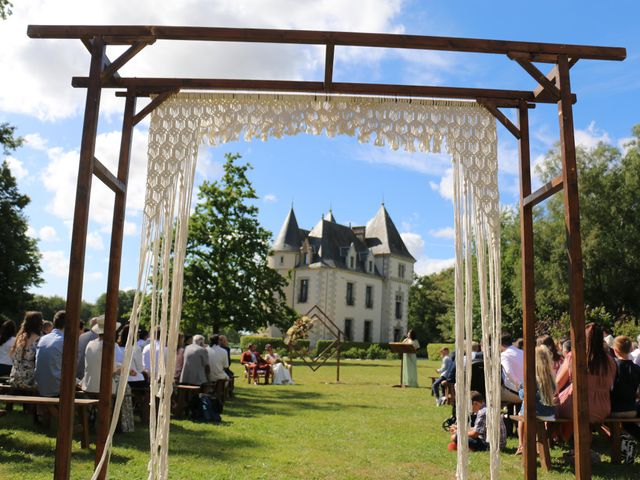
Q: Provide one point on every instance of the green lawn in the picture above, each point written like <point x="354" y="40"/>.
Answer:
<point x="358" y="429"/>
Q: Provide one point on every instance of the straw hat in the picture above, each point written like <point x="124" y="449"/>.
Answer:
<point x="99" y="325"/>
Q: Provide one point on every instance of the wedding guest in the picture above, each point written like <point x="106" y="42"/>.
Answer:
<point x="478" y="433"/>
<point x="218" y="360"/>
<point x="445" y="368"/>
<point x="410" y="362"/>
<point x="49" y="358"/>
<point x="196" y="363"/>
<point x="635" y="355"/>
<point x="255" y="363"/>
<point x="47" y="326"/>
<point x="136" y="378"/>
<point x="224" y="344"/>
<point x="7" y="340"/>
<point x="627" y="380"/>
<point x="83" y="341"/>
<point x="160" y="353"/>
<point x="179" y="357"/>
<point x="90" y="382"/>
<point x="23" y="352"/>
<point x="556" y="358"/>
<point x="512" y="362"/>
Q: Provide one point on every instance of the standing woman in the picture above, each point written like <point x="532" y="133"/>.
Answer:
<point x="24" y="352"/>
<point x="7" y="339"/>
<point x="410" y="362"/>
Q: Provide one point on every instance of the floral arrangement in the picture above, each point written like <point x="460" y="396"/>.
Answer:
<point x="298" y="331"/>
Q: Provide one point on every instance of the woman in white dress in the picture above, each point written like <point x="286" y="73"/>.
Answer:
<point x="281" y="371"/>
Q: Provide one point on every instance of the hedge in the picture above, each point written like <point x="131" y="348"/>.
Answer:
<point x="276" y="342"/>
<point x="345" y="346"/>
<point x="433" y="350"/>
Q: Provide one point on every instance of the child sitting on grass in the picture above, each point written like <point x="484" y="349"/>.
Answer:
<point x="478" y="433"/>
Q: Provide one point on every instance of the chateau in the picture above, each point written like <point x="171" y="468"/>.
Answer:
<point x="359" y="276"/>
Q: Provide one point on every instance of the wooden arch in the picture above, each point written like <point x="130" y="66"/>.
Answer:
<point x="553" y="87"/>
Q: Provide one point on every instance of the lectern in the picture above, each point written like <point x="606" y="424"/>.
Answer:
<point x="399" y="347"/>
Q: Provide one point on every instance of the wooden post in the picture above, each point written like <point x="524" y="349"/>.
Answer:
<point x="338" y="359"/>
<point x="581" y="430"/>
<point x="76" y="264"/>
<point x="528" y="297"/>
<point x="113" y="284"/>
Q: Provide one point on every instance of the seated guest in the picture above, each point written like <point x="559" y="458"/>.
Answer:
<point x="23" y="352"/>
<point x="49" y="358"/>
<point x="635" y="355"/>
<point x="47" y="326"/>
<point x="445" y="368"/>
<point x="512" y="362"/>
<point x="545" y="392"/>
<point x="255" y="363"/>
<point x="218" y="360"/>
<point x="476" y="352"/>
<point x="83" y="341"/>
<point x="7" y="339"/>
<point x="136" y="378"/>
<point x="90" y="382"/>
<point x="601" y="372"/>
<point x="627" y="381"/>
<point x="143" y="338"/>
<point x="478" y="434"/>
<point x="146" y="356"/>
<point x="224" y="344"/>
<point x="556" y="358"/>
<point x="179" y="357"/>
<point x="281" y="371"/>
<point x="196" y="363"/>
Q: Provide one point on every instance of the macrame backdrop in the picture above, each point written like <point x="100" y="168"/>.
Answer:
<point x="185" y="121"/>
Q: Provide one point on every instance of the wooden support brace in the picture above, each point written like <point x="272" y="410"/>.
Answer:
<point x="552" y="76"/>
<point x="108" y="178"/>
<point x="155" y="103"/>
<point x="501" y="117"/>
<point x="328" y="67"/>
<point x="119" y="62"/>
<point x="547" y="85"/>
<point x="106" y="63"/>
<point x="543" y="192"/>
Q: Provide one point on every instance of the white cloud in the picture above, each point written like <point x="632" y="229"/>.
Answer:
<point x="270" y="198"/>
<point x="426" y="163"/>
<point x="623" y="144"/>
<point x="445" y="186"/>
<point x="48" y="234"/>
<point x="206" y="166"/>
<point x="55" y="263"/>
<point x="94" y="241"/>
<point x="32" y="232"/>
<point x="590" y="137"/>
<point x="414" y="243"/>
<point x="35" y="141"/>
<point x="45" y="66"/>
<point x="61" y="173"/>
<point x="447" y="232"/>
<point x="17" y="168"/>
<point x="95" y="276"/>
<point x="427" y="266"/>
<point x="130" y="228"/>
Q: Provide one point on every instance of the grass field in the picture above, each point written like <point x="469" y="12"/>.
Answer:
<point x="317" y="429"/>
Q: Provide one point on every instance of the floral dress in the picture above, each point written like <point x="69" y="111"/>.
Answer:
<point x="24" y="367"/>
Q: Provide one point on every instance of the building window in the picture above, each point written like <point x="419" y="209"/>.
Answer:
<point x="349" y="293"/>
<point x="281" y="260"/>
<point x="368" y="301"/>
<point x="348" y="329"/>
<point x="396" y="334"/>
<point x="367" y="330"/>
<point x="303" y="293"/>
<point x="352" y="263"/>
<point x="370" y="266"/>
<point x="398" y="307"/>
<point x="401" y="267"/>
<point x="307" y="258"/>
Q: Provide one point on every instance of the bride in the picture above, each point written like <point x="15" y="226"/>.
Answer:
<point x="281" y="371"/>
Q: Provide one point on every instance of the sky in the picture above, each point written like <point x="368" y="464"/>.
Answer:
<point x="311" y="173"/>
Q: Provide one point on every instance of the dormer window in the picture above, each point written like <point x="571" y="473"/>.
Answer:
<point x="370" y="267"/>
<point x="281" y="260"/>
<point x="352" y="263"/>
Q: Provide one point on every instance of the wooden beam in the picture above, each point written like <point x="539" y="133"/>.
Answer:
<point x="62" y="467"/>
<point x="328" y="67"/>
<point x="119" y="62"/>
<point x="108" y="178"/>
<point x="539" y="91"/>
<point x="310" y="87"/>
<point x="537" y="75"/>
<point x="581" y="428"/>
<point x="502" y="118"/>
<point x="544" y="192"/>
<point x="310" y="37"/>
<point x="528" y="298"/>
<point x="155" y="103"/>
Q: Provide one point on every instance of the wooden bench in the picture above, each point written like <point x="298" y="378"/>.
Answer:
<point x="52" y="403"/>
<point x="611" y="427"/>
<point x="433" y="380"/>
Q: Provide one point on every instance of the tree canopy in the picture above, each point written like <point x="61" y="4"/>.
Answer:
<point x="227" y="282"/>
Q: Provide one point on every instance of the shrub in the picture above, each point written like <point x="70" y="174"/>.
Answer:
<point x="433" y="350"/>
<point x="344" y="346"/>
<point x="276" y="342"/>
<point x="376" y="352"/>
<point x="354" y="353"/>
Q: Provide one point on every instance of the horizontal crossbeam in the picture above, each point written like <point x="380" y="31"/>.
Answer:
<point x="123" y="34"/>
<point x="108" y="178"/>
<point x="543" y="192"/>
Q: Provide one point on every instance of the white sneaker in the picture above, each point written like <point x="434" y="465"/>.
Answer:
<point x="441" y="401"/>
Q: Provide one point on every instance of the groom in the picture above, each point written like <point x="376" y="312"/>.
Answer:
<point x="255" y="363"/>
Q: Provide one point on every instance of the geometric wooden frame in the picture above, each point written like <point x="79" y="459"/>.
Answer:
<point x="553" y="87"/>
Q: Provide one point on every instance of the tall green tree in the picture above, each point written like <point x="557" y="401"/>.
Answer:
<point x="19" y="256"/>
<point x="227" y="281"/>
<point x="431" y="307"/>
<point x="5" y="9"/>
<point x="125" y="304"/>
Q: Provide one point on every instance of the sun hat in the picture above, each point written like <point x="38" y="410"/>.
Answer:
<point x="99" y="325"/>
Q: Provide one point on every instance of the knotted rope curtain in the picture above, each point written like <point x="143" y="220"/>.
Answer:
<point x="185" y="121"/>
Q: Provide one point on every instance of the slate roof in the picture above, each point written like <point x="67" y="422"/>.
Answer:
<point x="383" y="237"/>
<point x="289" y="238"/>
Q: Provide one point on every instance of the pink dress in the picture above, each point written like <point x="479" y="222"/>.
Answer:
<point x="598" y="394"/>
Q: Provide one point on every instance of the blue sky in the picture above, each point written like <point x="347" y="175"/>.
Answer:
<point x="314" y="173"/>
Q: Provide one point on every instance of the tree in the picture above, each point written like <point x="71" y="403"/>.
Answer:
<point x="125" y="304"/>
<point x="227" y="281"/>
<point x="5" y="9"/>
<point x="431" y="307"/>
<point x="19" y="256"/>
